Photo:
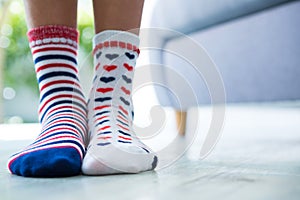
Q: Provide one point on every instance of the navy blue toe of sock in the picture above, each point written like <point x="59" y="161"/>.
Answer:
<point x="54" y="162"/>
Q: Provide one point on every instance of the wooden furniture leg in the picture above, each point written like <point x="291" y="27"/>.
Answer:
<point x="181" y="121"/>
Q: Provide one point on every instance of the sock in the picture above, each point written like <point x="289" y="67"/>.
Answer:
<point x="59" y="148"/>
<point x="113" y="146"/>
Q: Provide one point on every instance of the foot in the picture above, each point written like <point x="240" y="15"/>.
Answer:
<point x="113" y="146"/>
<point x="59" y="148"/>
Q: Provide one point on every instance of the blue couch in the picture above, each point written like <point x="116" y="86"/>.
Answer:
<point x="255" y="45"/>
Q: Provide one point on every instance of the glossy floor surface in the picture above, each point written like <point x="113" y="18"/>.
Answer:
<point x="256" y="157"/>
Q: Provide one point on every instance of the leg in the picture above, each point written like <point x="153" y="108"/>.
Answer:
<point x="51" y="12"/>
<point x="114" y="147"/>
<point x="59" y="148"/>
<point x="118" y="15"/>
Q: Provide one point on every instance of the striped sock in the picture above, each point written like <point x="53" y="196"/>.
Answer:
<point x="59" y="149"/>
<point x="113" y="146"/>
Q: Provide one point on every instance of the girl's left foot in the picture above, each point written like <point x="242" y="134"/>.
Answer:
<point x="113" y="146"/>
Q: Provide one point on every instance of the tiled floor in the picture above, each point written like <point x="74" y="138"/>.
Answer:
<point x="257" y="157"/>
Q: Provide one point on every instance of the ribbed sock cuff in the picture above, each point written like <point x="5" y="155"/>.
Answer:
<point x="115" y="38"/>
<point x="52" y="34"/>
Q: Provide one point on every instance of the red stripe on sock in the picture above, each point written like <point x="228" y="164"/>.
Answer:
<point x="123" y="110"/>
<point x="54" y="49"/>
<point x="67" y="114"/>
<point x="120" y="44"/>
<point x="57" y="137"/>
<point x="129" y="46"/>
<point x="104" y="137"/>
<point x="63" y="121"/>
<point x="126" y="129"/>
<point x="101" y="107"/>
<point x="64" y="107"/>
<point x="103" y="128"/>
<point x="56" y="129"/>
<point x="124" y="138"/>
<point x="61" y="96"/>
<point x="59" y="82"/>
<point x="113" y="43"/>
<point x="98" y="119"/>
<point x="106" y="44"/>
<point x="123" y="119"/>
<point x="56" y="65"/>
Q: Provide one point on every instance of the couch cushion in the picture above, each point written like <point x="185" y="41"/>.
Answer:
<point x="257" y="57"/>
<point x="188" y="16"/>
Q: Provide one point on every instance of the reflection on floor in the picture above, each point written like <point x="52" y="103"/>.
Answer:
<point x="257" y="157"/>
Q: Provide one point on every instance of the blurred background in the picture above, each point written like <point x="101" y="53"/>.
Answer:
<point x="18" y="88"/>
<point x="254" y="44"/>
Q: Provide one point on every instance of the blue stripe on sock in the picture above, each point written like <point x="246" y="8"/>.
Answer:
<point x="76" y="127"/>
<point x="67" y="111"/>
<point x="122" y="114"/>
<point x="55" y="56"/>
<point x="53" y="134"/>
<point x="60" y="89"/>
<point x="66" y="117"/>
<point x="61" y="124"/>
<point x="145" y="149"/>
<point x="103" y="143"/>
<point x="62" y="102"/>
<point x="122" y="132"/>
<point x="102" y="122"/>
<point x="103" y="133"/>
<point x="122" y="123"/>
<point x="55" y="74"/>
<point x="59" y="142"/>
<point x="101" y="113"/>
<point x="124" y="141"/>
